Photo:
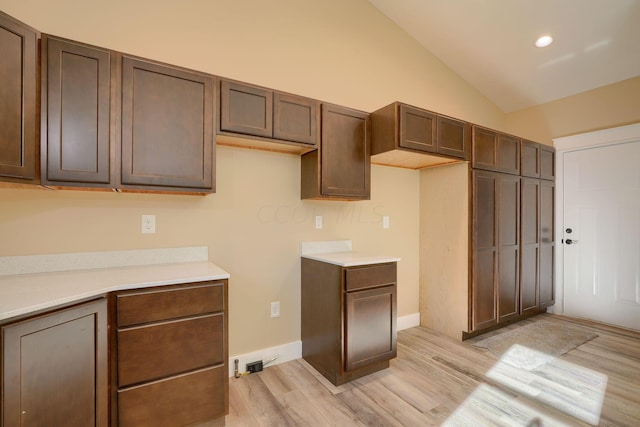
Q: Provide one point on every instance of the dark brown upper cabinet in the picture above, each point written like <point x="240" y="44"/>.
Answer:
<point x="167" y="130"/>
<point x="77" y="107"/>
<point x="547" y="162"/>
<point x="274" y="120"/>
<point x="18" y="101"/>
<point x="495" y="151"/>
<point x="417" y="129"/>
<point x="454" y="137"/>
<point x="530" y="159"/>
<point x="246" y="109"/>
<point x="414" y="138"/>
<point x="341" y="167"/>
<point x="115" y="121"/>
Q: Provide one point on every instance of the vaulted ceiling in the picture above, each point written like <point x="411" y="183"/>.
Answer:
<point x="490" y="43"/>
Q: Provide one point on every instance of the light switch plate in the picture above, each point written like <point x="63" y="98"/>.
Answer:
<point x="318" y="221"/>
<point x="385" y="221"/>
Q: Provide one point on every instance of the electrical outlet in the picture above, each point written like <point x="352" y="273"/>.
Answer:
<point x="275" y="309"/>
<point x="148" y="224"/>
<point x="319" y="221"/>
<point x="385" y="221"/>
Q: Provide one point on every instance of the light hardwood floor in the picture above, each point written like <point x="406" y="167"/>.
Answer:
<point x="433" y="376"/>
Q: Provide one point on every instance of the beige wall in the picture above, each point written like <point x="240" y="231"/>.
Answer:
<point x="444" y="248"/>
<point x="614" y="105"/>
<point x="338" y="51"/>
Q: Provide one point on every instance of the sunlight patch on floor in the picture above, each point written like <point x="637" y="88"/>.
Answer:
<point x="572" y="389"/>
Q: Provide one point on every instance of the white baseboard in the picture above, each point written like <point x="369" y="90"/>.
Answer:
<point x="408" y="321"/>
<point x="284" y="353"/>
<point x="293" y="350"/>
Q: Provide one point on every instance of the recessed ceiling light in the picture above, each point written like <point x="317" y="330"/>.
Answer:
<point x="544" y="41"/>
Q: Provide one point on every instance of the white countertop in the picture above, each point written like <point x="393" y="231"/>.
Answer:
<point x="350" y="259"/>
<point x="26" y="293"/>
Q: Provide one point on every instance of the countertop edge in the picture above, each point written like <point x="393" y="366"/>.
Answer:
<point x="350" y="259"/>
<point x="51" y="290"/>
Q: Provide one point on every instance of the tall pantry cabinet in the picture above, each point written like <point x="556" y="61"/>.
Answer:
<point x="512" y="247"/>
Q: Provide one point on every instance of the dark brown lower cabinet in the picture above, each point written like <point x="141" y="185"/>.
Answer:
<point x="54" y="368"/>
<point x="170" y="367"/>
<point x="495" y="287"/>
<point x="348" y="318"/>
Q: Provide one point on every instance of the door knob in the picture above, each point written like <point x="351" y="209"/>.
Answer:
<point x="570" y="241"/>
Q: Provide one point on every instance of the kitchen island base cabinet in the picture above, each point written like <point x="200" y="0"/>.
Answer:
<point x="54" y="368"/>
<point x="348" y="318"/>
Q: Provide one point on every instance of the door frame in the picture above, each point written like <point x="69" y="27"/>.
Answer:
<point x="600" y="138"/>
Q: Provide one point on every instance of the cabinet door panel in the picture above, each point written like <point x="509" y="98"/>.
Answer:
<point x="529" y="267"/>
<point x="76" y="87"/>
<point x="18" y="117"/>
<point x="530" y="239"/>
<point x="508" y="154"/>
<point x="547" y="244"/>
<point x="530" y="159"/>
<point x="188" y="399"/>
<point x="370" y="326"/>
<point x="159" y="350"/>
<point x="547" y="162"/>
<point x="296" y="119"/>
<point x="509" y="283"/>
<point x="484" y="249"/>
<point x="509" y="247"/>
<point x="345" y="161"/>
<point x="454" y="137"/>
<point x="484" y="301"/>
<point x="55" y="369"/>
<point x="246" y="109"/>
<point x="417" y="129"/>
<point x="167" y="126"/>
<point x="484" y="149"/>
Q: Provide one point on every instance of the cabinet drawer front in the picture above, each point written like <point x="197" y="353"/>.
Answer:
<point x="150" y="352"/>
<point x="163" y="304"/>
<point x="370" y="276"/>
<point x="183" y="400"/>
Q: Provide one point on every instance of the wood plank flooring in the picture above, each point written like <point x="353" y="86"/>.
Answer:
<point x="432" y="377"/>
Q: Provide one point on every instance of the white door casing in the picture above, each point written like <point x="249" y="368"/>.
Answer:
<point x="598" y="197"/>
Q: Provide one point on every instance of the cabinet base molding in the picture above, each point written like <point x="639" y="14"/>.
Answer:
<point x="467" y="335"/>
<point x="339" y="379"/>
<point x="284" y="353"/>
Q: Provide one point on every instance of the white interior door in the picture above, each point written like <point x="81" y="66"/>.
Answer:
<point x="601" y="233"/>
